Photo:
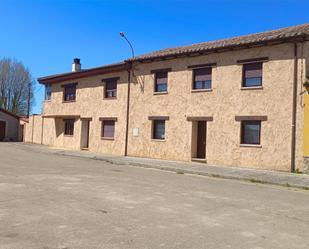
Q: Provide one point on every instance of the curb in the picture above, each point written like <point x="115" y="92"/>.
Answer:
<point x="252" y="179"/>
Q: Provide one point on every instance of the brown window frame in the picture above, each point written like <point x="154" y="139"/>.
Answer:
<point x="244" y="78"/>
<point x="69" y="127"/>
<point x="105" y="122"/>
<point x="243" y="123"/>
<point x="65" y="93"/>
<point x="156" y="73"/>
<point x="155" y="122"/>
<point x="194" y="72"/>
<point x="108" y="89"/>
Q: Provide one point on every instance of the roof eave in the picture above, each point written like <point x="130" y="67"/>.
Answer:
<point x="82" y="74"/>
<point x="276" y="41"/>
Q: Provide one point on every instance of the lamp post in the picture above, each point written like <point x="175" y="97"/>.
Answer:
<point x="122" y="34"/>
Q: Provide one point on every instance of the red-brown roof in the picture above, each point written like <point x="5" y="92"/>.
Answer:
<point x="9" y="113"/>
<point x="84" y="73"/>
<point x="300" y="32"/>
<point x="290" y="34"/>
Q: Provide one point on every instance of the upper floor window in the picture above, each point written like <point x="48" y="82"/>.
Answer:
<point x="69" y="92"/>
<point x="48" y="91"/>
<point x="252" y="74"/>
<point x="161" y="81"/>
<point x="110" y="89"/>
<point x="69" y="127"/>
<point x="202" y="78"/>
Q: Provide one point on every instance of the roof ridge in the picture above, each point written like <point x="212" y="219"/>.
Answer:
<point x="302" y="28"/>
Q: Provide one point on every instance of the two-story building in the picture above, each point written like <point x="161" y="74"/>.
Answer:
<point x="236" y="102"/>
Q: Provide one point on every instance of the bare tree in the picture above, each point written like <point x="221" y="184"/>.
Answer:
<point x="16" y="85"/>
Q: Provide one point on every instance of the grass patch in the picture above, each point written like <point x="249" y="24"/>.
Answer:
<point x="256" y="181"/>
<point x="180" y="172"/>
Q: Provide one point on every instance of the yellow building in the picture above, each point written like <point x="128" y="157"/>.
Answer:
<point x="235" y="102"/>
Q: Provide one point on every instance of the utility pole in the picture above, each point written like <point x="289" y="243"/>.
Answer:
<point x="28" y="101"/>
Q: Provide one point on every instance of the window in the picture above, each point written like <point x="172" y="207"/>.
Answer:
<point x="48" y="91"/>
<point x="108" y="129"/>
<point x="202" y="78"/>
<point x="252" y="74"/>
<point x="69" y="127"/>
<point x="161" y="81"/>
<point x="70" y="92"/>
<point x="111" y="88"/>
<point x="250" y="132"/>
<point x="158" y="130"/>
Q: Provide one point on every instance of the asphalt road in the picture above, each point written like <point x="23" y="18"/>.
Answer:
<point x="52" y="201"/>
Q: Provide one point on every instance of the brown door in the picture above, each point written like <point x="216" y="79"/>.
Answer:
<point x="201" y="139"/>
<point x="2" y="130"/>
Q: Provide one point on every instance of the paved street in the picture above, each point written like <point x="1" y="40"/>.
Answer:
<point x="52" y="201"/>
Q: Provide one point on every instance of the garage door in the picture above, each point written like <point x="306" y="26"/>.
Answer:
<point x="2" y="130"/>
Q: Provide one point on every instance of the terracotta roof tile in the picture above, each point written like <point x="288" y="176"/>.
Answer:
<point x="258" y="38"/>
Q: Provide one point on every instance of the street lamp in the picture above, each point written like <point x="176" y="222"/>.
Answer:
<point x="122" y="34"/>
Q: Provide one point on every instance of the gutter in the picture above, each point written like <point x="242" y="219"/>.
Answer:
<point x="128" y="111"/>
<point x="294" y="109"/>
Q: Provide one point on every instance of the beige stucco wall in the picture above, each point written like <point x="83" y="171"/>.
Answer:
<point x="224" y="102"/>
<point x="89" y="104"/>
<point x="12" y="127"/>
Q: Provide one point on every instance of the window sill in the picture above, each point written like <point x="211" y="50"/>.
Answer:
<point x="158" y="140"/>
<point x="160" y="93"/>
<point x="200" y="90"/>
<point x="251" y="145"/>
<point x="108" y="138"/>
<point x="251" y="88"/>
<point x="68" y="135"/>
<point x="68" y="101"/>
<point x="110" y="98"/>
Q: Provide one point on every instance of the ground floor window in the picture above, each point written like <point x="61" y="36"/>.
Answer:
<point x="69" y="127"/>
<point x="108" y="129"/>
<point x="250" y="132"/>
<point x="158" y="130"/>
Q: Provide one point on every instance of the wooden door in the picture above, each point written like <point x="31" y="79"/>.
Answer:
<point x="2" y="130"/>
<point x="201" y="139"/>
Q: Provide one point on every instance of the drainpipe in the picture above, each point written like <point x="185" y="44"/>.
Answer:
<point x="128" y="110"/>
<point x="294" y="110"/>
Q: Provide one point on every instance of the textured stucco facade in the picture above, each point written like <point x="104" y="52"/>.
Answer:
<point x="222" y="103"/>
<point x="89" y="103"/>
<point x="225" y="101"/>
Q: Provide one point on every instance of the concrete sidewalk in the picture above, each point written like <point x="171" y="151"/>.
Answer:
<point x="252" y="175"/>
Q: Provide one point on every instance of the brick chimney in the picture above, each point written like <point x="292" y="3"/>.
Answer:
<point x="76" y="66"/>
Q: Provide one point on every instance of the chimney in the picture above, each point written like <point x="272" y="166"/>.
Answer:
<point x="76" y="66"/>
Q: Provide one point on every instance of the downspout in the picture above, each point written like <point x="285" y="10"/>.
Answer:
<point x="294" y="109"/>
<point x="128" y="111"/>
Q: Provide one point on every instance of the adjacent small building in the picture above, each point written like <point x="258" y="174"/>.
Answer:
<point x="10" y="129"/>
<point x="237" y="102"/>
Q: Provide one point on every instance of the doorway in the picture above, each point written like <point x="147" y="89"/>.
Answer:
<point x="85" y="134"/>
<point x="201" y="140"/>
<point x="2" y="130"/>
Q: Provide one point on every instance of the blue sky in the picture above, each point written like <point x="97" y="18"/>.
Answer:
<point x="47" y="35"/>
